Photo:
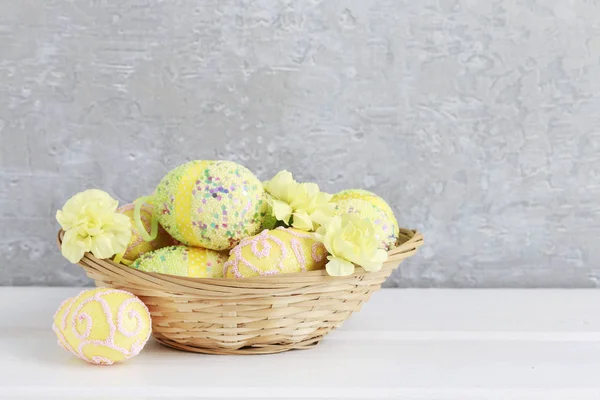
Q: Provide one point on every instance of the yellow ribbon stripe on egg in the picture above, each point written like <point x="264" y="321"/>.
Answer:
<point x="183" y="201"/>
<point x="196" y="262"/>
<point x="356" y="194"/>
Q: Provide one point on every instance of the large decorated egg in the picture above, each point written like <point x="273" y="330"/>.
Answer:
<point x="368" y="205"/>
<point x="137" y="245"/>
<point x="195" y="262"/>
<point x="211" y="204"/>
<point x="282" y="250"/>
<point x="103" y="325"/>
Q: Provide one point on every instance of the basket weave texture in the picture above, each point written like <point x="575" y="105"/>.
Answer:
<point x="258" y="315"/>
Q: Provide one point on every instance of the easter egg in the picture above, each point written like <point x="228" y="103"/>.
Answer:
<point x="103" y="325"/>
<point x="137" y="245"/>
<point x="369" y="205"/>
<point x="195" y="262"/>
<point x="211" y="204"/>
<point x="282" y="250"/>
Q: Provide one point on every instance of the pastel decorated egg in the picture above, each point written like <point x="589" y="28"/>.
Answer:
<point x="282" y="250"/>
<point x="137" y="245"/>
<point x="369" y="205"/>
<point x="211" y="204"/>
<point x="195" y="262"/>
<point x="103" y="325"/>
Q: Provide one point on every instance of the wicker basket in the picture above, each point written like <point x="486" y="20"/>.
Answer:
<point x="259" y="315"/>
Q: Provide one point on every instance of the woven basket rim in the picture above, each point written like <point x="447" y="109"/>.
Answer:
<point x="408" y="243"/>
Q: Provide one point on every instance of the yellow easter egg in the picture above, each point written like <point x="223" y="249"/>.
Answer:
<point x="103" y="325"/>
<point x="210" y="204"/>
<point x="138" y="246"/>
<point x="368" y="205"/>
<point x="195" y="262"/>
<point x="282" y="250"/>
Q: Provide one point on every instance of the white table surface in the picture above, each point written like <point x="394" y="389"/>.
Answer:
<point x="404" y="344"/>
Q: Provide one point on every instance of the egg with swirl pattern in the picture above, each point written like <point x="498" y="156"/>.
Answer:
<point x="102" y="326"/>
<point x="283" y="250"/>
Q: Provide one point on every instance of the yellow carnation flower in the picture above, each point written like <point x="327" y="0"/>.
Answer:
<point x="91" y="223"/>
<point x="351" y="240"/>
<point x="303" y="203"/>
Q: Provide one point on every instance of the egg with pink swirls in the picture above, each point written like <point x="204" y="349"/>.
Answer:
<point x="103" y="326"/>
<point x="278" y="251"/>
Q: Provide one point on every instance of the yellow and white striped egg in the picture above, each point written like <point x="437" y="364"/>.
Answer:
<point x="210" y="204"/>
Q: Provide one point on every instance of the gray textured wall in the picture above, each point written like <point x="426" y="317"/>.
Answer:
<point x="478" y="120"/>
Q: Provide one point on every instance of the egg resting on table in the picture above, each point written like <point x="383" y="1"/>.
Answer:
<point x="103" y="325"/>
<point x="137" y="245"/>
<point x="282" y="250"/>
<point x="194" y="262"/>
<point x="368" y="205"/>
<point x="211" y="204"/>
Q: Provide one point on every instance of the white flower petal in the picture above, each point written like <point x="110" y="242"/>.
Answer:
<point x="71" y="252"/>
<point x="102" y="247"/>
<point x="339" y="267"/>
<point x="91" y="223"/>
<point x="302" y="221"/>
<point x="282" y="211"/>
<point x="277" y="186"/>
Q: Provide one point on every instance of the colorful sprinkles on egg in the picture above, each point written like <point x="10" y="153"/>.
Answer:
<point x="196" y="262"/>
<point x="369" y="205"/>
<point x="226" y="204"/>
